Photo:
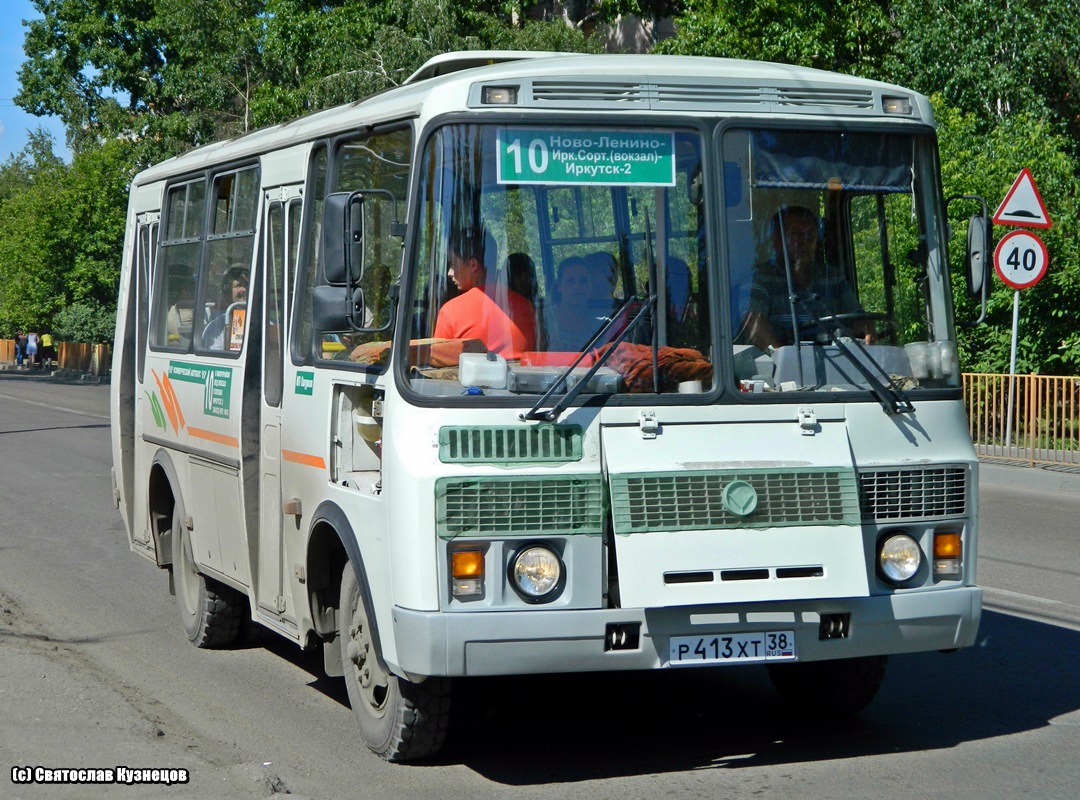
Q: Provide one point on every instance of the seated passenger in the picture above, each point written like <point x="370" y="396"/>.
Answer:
<point x="678" y="288"/>
<point x="218" y="333"/>
<point x="684" y="322"/>
<point x="181" y="315"/>
<point x="817" y="291"/>
<point x="486" y="310"/>
<point x="574" y="313"/>
<point x="521" y="275"/>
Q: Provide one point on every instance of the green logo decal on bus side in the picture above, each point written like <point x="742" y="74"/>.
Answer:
<point x="305" y="383"/>
<point x="155" y="408"/>
<point x="639" y="158"/>
<point x="216" y="383"/>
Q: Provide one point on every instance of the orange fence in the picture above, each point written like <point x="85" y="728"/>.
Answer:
<point x="1032" y="418"/>
<point x="95" y="359"/>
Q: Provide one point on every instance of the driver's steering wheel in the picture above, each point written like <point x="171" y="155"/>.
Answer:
<point x="883" y="325"/>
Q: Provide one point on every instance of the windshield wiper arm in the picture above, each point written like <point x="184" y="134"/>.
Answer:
<point x="553" y="413"/>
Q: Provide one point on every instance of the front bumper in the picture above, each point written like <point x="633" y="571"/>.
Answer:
<point x="543" y="641"/>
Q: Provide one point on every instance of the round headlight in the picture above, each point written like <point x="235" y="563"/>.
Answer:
<point x="536" y="571"/>
<point x="899" y="558"/>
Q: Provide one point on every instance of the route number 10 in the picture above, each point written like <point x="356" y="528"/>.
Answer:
<point x="537" y="154"/>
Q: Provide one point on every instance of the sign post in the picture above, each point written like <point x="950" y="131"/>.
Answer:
<point x="1020" y="258"/>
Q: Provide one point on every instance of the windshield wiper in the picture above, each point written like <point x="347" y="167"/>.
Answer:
<point x="893" y="399"/>
<point x="553" y="413"/>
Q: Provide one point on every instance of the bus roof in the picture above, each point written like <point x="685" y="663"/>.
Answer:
<point x="582" y="83"/>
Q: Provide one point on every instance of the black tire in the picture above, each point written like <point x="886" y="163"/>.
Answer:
<point x="399" y="720"/>
<point x="210" y="612"/>
<point x="829" y="688"/>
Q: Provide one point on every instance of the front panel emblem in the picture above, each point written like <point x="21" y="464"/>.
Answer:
<point x="740" y="498"/>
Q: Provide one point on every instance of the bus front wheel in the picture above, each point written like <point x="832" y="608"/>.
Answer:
<point x="399" y="720"/>
<point x="829" y="688"/>
<point x="210" y="611"/>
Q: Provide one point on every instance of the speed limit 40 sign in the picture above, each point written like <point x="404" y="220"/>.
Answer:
<point x="1020" y="259"/>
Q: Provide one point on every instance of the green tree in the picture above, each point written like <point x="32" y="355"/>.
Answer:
<point x="178" y="73"/>
<point x="1005" y="77"/>
<point x="61" y="231"/>
<point x="32" y="246"/>
<point x="993" y="58"/>
<point x="851" y="37"/>
<point x="355" y="49"/>
<point x="95" y="64"/>
<point x="974" y="162"/>
<point x="95" y="207"/>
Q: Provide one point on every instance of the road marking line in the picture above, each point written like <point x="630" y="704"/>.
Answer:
<point x="52" y="406"/>
<point x="1019" y="596"/>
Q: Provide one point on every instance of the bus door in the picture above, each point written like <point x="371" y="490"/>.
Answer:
<point x="133" y="506"/>
<point x="281" y="231"/>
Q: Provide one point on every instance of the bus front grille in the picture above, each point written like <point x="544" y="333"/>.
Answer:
<point x="695" y="500"/>
<point x="491" y="444"/>
<point x="530" y="505"/>
<point x="913" y="493"/>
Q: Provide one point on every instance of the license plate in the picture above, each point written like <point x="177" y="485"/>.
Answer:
<point x="732" y="648"/>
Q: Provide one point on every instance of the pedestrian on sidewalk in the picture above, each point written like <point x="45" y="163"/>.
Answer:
<point x="48" y="349"/>
<point x="32" y="348"/>
<point x="20" y="347"/>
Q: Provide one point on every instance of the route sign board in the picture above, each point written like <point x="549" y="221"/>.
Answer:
<point x="1020" y="259"/>
<point x="600" y="157"/>
<point x="1023" y="205"/>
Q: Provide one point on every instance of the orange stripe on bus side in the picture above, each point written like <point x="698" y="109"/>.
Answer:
<point x="210" y="436"/>
<point x="303" y="458"/>
<point x="167" y="385"/>
<point x="169" y="401"/>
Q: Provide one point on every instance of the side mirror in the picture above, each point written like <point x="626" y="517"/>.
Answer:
<point x="978" y="254"/>
<point x="980" y="245"/>
<point x="334" y="310"/>
<point x="348" y="282"/>
<point x="343" y="238"/>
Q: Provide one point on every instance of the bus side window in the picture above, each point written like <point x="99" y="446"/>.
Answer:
<point x="172" y="315"/>
<point x="379" y="166"/>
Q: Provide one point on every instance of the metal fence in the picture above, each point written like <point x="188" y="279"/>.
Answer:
<point x="95" y="359"/>
<point x="1032" y="418"/>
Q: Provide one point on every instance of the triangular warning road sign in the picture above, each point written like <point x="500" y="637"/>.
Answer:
<point x="1023" y="205"/>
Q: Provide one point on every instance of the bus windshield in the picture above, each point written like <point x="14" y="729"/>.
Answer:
<point x="561" y="229"/>
<point x="836" y="261"/>
<point x="552" y="256"/>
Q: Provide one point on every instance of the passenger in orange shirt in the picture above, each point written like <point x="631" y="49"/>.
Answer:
<point x="486" y="309"/>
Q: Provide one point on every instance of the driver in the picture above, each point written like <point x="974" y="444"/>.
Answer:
<point x="818" y="292"/>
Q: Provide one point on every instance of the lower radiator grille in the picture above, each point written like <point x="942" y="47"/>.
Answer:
<point x="519" y="506"/>
<point x="913" y="493"/>
<point x="692" y="500"/>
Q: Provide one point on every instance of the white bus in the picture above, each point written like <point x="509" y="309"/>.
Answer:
<point x="553" y="363"/>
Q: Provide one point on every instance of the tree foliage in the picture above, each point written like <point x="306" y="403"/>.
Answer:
<point x="1049" y="339"/>
<point x="993" y="58"/>
<point x="61" y="232"/>
<point x="136" y="81"/>
<point x="835" y="35"/>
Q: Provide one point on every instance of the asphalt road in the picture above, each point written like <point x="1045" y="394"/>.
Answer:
<point x="96" y="673"/>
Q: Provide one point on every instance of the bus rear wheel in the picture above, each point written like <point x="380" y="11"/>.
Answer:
<point x="399" y="720"/>
<point x="829" y="688"/>
<point x="210" y="612"/>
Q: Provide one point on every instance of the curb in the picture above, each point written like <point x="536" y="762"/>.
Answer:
<point x="54" y="374"/>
